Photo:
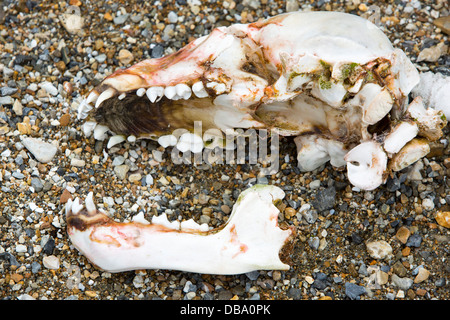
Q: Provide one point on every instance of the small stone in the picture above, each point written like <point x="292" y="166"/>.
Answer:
<point x="433" y="53"/>
<point x="422" y="275"/>
<point x="64" y="120"/>
<point x="173" y="17"/>
<point x="428" y="204"/>
<point x="108" y="16"/>
<point x="101" y="58"/>
<point x="6" y="100"/>
<point x="443" y="23"/>
<point x="91" y="294"/>
<point x="379" y="249"/>
<point x="353" y="291"/>
<point x="125" y="57"/>
<point x="135" y="177"/>
<point x="443" y="218"/>
<point x="37" y="185"/>
<point x="41" y="150"/>
<point x="77" y="162"/>
<point x="51" y="262"/>
<point x="49" y="88"/>
<point x="402" y="283"/>
<point x="325" y="199"/>
<point x="121" y="19"/>
<point x="414" y="241"/>
<point x="403" y="234"/>
<point x="121" y="171"/>
<point x="292" y="5"/>
<point x="17" y="107"/>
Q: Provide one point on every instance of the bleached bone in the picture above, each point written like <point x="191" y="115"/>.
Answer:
<point x="329" y="77"/>
<point x="250" y="240"/>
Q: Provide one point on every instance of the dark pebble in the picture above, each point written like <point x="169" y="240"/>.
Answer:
<point x="49" y="246"/>
<point x="294" y="293"/>
<point x="353" y="291"/>
<point x="414" y="240"/>
<point x="157" y="51"/>
<point x="325" y="199"/>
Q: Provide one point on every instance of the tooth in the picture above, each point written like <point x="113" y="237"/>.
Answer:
<point x="76" y="206"/>
<point x="199" y="90"/>
<point x="162" y="220"/>
<point x="218" y="87"/>
<point x="122" y="96"/>
<point x="154" y="93"/>
<point x="92" y="97"/>
<point x="90" y="205"/>
<point x="167" y="140"/>
<point x="100" y="132"/>
<point x="140" y="92"/>
<point x="83" y="109"/>
<point x="170" y="92"/>
<point x="88" y="127"/>
<point x="183" y="91"/>
<point x="108" y="93"/>
<point x="190" y="141"/>
<point x="115" y="140"/>
<point x="68" y="205"/>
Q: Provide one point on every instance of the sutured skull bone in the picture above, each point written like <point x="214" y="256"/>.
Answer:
<point x="333" y="80"/>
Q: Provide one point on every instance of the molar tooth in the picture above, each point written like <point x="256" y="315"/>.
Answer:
<point x="167" y="140"/>
<point x="122" y="96"/>
<point x="218" y="87"/>
<point x="140" y="92"/>
<point x="155" y="93"/>
<point x="100" y="132"/>
<point x="190" y="141"/>
<point x="183" y="91"/>
<point x="170" y="92"/>
<point x="199" y="90"/>
<point x="108" y="93"/>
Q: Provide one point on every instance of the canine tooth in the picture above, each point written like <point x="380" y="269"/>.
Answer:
<point x="115" y="140"/>
<point x="199" y="90"/>
<point x="170" y="92"/>
<point x="76" y="206"/>
<point x="100" y="132"/>
<point x="183" y="91"/>
<point x="88" y="127"/>
<point x="90" y="205"/>
<point x="140" y="92"/>
<point x="69" y="205"/>
<point x="167" y="140"/>
<point x="122" y="96"/>
<point x="92" y="97"/>
<point x="108" y="93"/>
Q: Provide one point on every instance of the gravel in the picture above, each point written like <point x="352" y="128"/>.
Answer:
<point x="47" y="67"/>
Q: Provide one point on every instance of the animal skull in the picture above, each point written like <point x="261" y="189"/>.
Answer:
<point x="331" y="79"/>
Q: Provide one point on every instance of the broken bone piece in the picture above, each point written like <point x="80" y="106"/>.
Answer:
<point x="366" y="165"/>
<point x="250" y="240"/>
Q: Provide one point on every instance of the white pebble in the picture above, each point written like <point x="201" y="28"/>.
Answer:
<point x="51" y="262"/>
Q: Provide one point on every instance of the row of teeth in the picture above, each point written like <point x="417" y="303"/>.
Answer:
<point x="154" y="94"/>
<point x="76" y="206"/>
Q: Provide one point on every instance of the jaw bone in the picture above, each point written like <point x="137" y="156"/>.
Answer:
<point x="250" y="240"/>
<point x="328" y="77"/>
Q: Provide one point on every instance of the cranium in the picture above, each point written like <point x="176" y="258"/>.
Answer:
<point x="332" y="80"/>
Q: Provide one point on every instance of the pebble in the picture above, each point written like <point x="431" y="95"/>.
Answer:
<point x="120" y="19"/>
<point x="77" y="162"/>
<point x="443" y="218"/>
<point x="422" y="275"/>
<point x="403" y="234"/>
<point x="325" y="199"/>
<point x="51" y="262"/>
<point x="125" y="57"/>
<point x="121" y="171"/>
<point x="402" y="283"/>
<point x="414" y="240"/>
<point x="379" y="249"/>
<point x="353" y="291"/>
<point x="43" y="151"/>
